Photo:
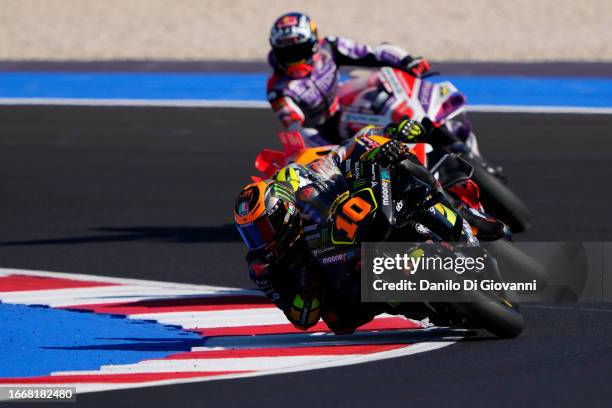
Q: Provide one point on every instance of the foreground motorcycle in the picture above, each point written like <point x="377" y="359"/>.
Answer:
<point x="397" y="204"/>
<point x="387" y="95"/>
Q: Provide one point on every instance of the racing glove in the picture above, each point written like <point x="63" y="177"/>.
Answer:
<point x="261" y="274"/>
<point x="407" y="131"/>
<point x="386" y="155"/>
<point x="416" y="66"/>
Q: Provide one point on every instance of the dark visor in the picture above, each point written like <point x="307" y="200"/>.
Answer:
<point x="294" y="53"/>
<point x="257" y="233"/>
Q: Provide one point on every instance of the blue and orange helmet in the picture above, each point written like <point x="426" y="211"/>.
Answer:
<point x="266" y="216"/>
<point x="295" y="44"/>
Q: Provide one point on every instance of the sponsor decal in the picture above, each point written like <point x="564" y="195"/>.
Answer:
<point x="374" y="182"/>
<point x="312" y="237"/>
<point x="363" y="119"/>
<point x="385" y="187"/>
<point x="334" y="205"/>
<point x="347" y="165"/>
<point x="334" y="259"/>
<point x="247" y="201"/>
<point x="425" y="95"/>
<point x="243" y="208"/>
<point x="359" y="183"/>
<point x="357" y="170"/>
<point x="385" y="175"/>
<point x="283" y="191"/>
<point x="421" y="229"/>
<point x="287" y="21"/>
<point x="309" y="228"/>
<point x="391" y="79"/>
<point x="319" y="251"/>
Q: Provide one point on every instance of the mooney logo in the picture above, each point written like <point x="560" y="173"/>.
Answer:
<point x="385" y="186"/>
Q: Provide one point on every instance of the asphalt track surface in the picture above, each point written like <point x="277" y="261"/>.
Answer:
<point x="147" y="193"/>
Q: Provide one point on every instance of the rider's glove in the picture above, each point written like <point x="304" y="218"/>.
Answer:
<point x="386" y="155"/>
<point x="261" y="274"/>
<point x="407" y="130"/>
<point x="416" y="66"/>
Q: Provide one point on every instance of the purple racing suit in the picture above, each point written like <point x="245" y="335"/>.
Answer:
<point x="310" y="104"/>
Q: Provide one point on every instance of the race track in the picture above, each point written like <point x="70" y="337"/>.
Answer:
<point x="147" y="193"/>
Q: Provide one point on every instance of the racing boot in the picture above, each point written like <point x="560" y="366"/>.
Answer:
<point x="466" y="194"/>
<point x="485" y="228"/>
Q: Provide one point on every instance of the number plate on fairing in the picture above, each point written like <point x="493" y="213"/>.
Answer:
<point x="350" y="216"/>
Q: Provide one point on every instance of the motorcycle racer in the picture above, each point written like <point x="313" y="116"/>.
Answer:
<point x="272" y="215"/>
<point x="303" y="87"/>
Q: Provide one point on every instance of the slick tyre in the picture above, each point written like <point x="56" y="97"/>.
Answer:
<point x="495" y="314"/>
<point x="500" y="201"/>
<point x="515" y="265"/>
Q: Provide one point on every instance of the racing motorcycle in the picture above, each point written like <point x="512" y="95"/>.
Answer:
<point x="388" y="94"/>
<point x="375" y="199"/>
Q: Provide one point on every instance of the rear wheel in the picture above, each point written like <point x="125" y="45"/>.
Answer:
<point x="499" y="200"/>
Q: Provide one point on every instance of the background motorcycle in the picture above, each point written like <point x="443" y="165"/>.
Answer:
<point x="387" y="95"/>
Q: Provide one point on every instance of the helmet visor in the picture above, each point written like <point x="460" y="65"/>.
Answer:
<point x="294" y="53"/>
<point x="257" y="234"/>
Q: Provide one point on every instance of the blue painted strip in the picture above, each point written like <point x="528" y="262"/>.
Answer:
<point x="489" y="90"/>
<point x="133" y="86"/>
<point x="37" y="340"/>
<point x="587" y="92"/>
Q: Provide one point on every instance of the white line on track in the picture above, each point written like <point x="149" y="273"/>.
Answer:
<point x="170" y="103"/>
<point x="95" y="295"/>
<point x="540" y="109"/>
<point x="204" y="103"/>
<point x="212" y="365"/>
<point x="578" y="309"/>
<point x="217" y="318"/>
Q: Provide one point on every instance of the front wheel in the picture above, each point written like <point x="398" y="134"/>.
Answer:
<point x="496" y="314"/>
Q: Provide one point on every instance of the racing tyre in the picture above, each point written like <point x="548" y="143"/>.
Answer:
<point x="499" y="200"/>
<point x="497" y="315"/>
<point x="515" y="265"/>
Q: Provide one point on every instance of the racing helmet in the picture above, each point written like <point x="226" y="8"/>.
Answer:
<point x="295" y="44"/>
<point x="266" y="216"/>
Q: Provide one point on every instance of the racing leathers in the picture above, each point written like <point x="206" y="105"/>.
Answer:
<point x="297" y="281"/>
<point x="310" y="104"/>
<point x="291" y="281"/>
<point x="294" y="279"/>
